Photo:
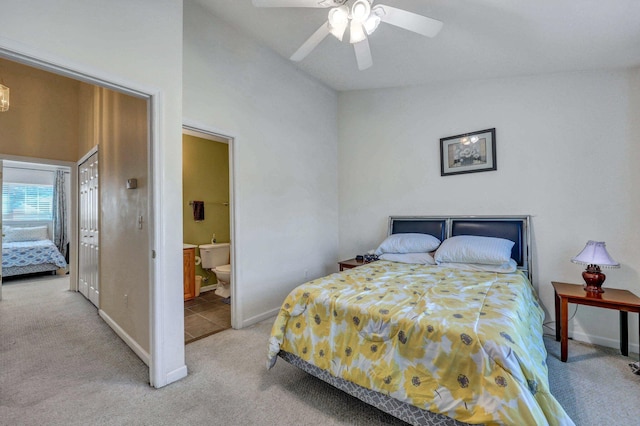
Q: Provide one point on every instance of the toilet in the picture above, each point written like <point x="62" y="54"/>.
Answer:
<point x="215" y="257"/>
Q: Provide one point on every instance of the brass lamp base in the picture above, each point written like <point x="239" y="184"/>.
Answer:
<point x="593" y="279"/>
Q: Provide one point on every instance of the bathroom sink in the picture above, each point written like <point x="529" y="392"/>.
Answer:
<point x="188" y="246"/>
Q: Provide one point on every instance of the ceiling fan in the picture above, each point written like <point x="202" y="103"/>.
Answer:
<point x="362" y="19"/>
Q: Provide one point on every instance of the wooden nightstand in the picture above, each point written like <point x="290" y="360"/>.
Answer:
<point x="351" y="263"/>
<point x="621" y="300"/>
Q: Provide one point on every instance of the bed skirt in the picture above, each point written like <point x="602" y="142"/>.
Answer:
<point x="11" y="271"/>
<point x="401" y="410"/>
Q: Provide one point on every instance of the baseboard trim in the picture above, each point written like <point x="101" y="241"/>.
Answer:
<point x="208" y="288"/>
<point x="581" y="336"/>
<point x="176" y="375"/>
<point x="135" y="347"/>
<point x="263" y="316"/>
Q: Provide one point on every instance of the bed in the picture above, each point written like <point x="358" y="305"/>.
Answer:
<point x="27" y="250"/>
<point x="443" y="344"/>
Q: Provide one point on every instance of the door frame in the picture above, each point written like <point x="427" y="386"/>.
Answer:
<point x="73" y="204"/>
<point x="202" y="130"/>
<point x="166" y="361"/>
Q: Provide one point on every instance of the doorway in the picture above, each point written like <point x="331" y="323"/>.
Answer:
<point x="36" y="225"/>
<point x="92" y="111"/>
<point x="208" y="178"/>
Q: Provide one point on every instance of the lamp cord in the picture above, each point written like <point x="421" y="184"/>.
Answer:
<point x="546" y="324"/>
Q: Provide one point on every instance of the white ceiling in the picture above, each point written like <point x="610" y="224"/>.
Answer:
<point x="480" y="39"/>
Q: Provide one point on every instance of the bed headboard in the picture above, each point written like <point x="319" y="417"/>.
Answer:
<point x="419" y="225"/>
<point x="514" y="228"/>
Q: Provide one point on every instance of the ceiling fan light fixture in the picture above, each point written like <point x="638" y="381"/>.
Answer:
<point x="4" y="98"/>
<point x="357" y="32"/>
<point x="363" y="19"/>
<point x="338" y="21"/>
<point x="360" y="11"/>
<point x="371" y="24"/>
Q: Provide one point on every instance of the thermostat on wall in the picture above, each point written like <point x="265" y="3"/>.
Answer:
<point x="132" y="183"/>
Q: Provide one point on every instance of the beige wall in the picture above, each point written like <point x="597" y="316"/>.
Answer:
<point x="136" y="44"/>
<point x="205" y="177"/>
<point x="88" y="118"/>
<point x="42" y="121"/>
<point x="120" y="123"/>
<point x="57" y="118"/>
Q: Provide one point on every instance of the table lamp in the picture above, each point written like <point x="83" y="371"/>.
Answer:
<point x="595" y="256"/>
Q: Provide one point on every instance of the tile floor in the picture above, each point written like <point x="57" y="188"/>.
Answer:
<point x="205" y="315"/>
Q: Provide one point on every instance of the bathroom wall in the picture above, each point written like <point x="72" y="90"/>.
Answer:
<point x="205" y="177"/>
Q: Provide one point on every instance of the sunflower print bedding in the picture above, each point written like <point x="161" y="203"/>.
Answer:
<point x="465" y="344"/>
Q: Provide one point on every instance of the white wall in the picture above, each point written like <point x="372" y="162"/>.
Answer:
<point x="28" y="173"/>
<point x="568" y="147"/>
<point x="285" y="158"/>
<point x="137" y="44"/>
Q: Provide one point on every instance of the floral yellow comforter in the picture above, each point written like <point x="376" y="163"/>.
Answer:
<point x="465" y="344"/>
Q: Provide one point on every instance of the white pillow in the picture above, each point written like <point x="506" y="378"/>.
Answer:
<point x="474" y="249"/>
<point x="505" y="268"/>
<point x="408" y="243"/>
<point x="34" y="233"/>
<point x="420" y="258"/>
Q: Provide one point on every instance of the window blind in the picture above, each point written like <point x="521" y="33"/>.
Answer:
<point x="25" y="202"/>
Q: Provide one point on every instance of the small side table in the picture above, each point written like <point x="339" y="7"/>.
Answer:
<point x="620" y="300"/>
<point x="351" y="263"/>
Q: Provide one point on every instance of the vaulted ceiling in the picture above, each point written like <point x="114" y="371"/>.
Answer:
<point x="481" y="39"/>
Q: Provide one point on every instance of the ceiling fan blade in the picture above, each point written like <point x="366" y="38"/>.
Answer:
<point x="363" y="54"/>
<point x="428" y="27"/>
<point x="311" y="43"/>
<point x="297" y="3"/>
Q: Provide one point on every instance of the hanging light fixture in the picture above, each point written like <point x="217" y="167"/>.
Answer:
<point x="374" y="19"/>
<point x="361" y="19"/>
<point x="360" y="12"/>
<point x="338" y="21"/>
<point x="4" y="98"/>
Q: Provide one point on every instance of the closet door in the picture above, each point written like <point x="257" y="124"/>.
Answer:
<point x="89" y="244"/>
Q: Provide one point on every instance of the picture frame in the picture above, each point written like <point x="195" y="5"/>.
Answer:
<point x="468" y="153"/>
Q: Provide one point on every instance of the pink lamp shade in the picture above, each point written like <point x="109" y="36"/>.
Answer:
<point x="594" y="255"/>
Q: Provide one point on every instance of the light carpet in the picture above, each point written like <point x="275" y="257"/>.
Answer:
<point x="60" y="364"/>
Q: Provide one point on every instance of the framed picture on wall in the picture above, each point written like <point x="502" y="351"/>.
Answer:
<point x="468" y="153"/>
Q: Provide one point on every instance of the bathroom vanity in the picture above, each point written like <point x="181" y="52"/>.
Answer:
<point x="189" y="270"/>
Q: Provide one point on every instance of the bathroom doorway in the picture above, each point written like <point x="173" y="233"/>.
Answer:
<point x="207" y="219"/>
